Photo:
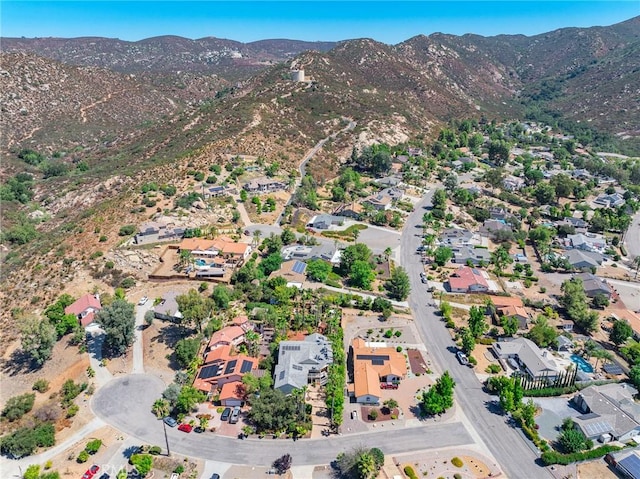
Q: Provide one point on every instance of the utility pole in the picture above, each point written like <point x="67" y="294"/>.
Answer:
<point x="166" y="438"/>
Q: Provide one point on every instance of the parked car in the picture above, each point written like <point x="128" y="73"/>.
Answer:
<point x="235" y="415"/>
<point x="143" y="301"/>
<point x="225" y="414"/>
<point x="185" y="427"/>
<point x="169" y="421"/>
<point x="423" y="277"/>
<point x="464" y="360"/>
<point x="354" y="414"/>
<point x="92" y="471"/>
<point x="198" y="429"/>
<point x="215" y="476"/>
<point x="105" y="476"/>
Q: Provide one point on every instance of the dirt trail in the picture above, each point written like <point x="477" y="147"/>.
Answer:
<point x="83" y="110"/>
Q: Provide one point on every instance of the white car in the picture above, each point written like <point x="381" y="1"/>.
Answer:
<point x="143" y="301"/>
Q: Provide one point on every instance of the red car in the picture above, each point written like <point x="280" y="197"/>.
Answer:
<point x="92" y="471"/>
<point x="185" y="427"/>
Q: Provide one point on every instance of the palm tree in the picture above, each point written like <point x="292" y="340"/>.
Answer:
<point x="601" y="354"/>
<point x="355" y="233"/>
<point x="256" y="237"/>
<point x="387" y="253"/>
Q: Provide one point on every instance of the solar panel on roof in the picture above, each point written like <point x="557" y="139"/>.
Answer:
<point x="372" y="357"/>
<point x="597" y="428"/>
<point x="299" y="267"/>
<point x="209" y="371"/>
<point x="246" y="366"/>
<point x="377" y="362"/>
<point x="612" y="368"/>
<point x="291" y="347"/>
<point x="231" y="365"/>
<point x="631" y="465"/>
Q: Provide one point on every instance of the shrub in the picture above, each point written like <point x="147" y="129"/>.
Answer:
<point x="155" y="450"/>
<point x="399" y="349"/>
<point x="93" y="446"/>
<point x="32" y="472"/>
<point x="456" y="461"/>
<point x="72" y="410"/>
<point x="179" y="469"/>
<point x="493" y="369"/>
<point x="48" y="464"/>
<point x="553" y="457"/>
<point x="411" y="474"/>
<point x="24" y="441"/>
<point x="127" y="230"/>
<point x="457" y="476"/>
<point x="373" y="414"/>
<point x="102" y="239"/>
<point x="41" y="385"/>
<point x="142" y="462"/>
<point x="18" y="406"/>
<point x="83" y="457"/>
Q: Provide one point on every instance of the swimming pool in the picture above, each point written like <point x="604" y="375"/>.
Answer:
<point x="582" y="364"/>
<point x="200" y="262"/>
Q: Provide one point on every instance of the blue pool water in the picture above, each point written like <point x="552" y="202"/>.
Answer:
<point x="583" y="365"/>
<point x="200" y="262"/>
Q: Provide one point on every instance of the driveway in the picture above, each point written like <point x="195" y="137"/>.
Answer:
<point x="125" y="403"/>
<point x="554" y="410"/>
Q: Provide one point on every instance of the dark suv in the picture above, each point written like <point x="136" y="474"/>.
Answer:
<point x="225" y="414"/>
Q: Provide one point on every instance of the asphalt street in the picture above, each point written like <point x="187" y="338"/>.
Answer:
<point x="514" y="455"/>
<point x="126" y="402"/>
<point x="632" y="238"/>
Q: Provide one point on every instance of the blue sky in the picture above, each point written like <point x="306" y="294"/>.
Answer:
<point x="389" y="22"/>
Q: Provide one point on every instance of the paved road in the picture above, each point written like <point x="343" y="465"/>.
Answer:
<point x="138" y="347"/>
<point x="126" y="404"/>
<point x="632" y="238"/>
<point x="505" y="443"/>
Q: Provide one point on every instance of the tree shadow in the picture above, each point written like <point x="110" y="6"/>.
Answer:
<point x="493" y="406"/>
<point x="19" y="363"/>
<point x="417" y="413"/>
<point x="130" y="451"/>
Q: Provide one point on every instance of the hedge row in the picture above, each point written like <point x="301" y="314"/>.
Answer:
<point x="553" y="457"/>
<point x="545" y="392"/>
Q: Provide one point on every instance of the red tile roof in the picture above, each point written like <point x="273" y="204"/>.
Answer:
<point x="82" y="304"/>
<point x="466" y="277"/>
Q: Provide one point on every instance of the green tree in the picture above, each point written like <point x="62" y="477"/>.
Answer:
<point x="195" y="308"/>
<point x="338" y="194"/>
<point x="499" y="152"/>
<point x="572" y="440"/>
<point x="576" y="305"/>
<point x="509" y="325"/>
<point x="32" y="472"/>
<point x="500" y="259"/>
<point x="398" y="286"/>
<point x="37" y="339"/>
<point x="439" y="397"/>
<point x="118" y="322"/>
<point x="188" y="398"/>
<point x="142" y="462"/>
<point x="271" y="263"/>
<point x="273" y="411"/>
<point x="18" y="406"/>
<point x="620" y="332"/>
<point x="351" y="254"/>
<point x="361" y="275"/>
<point x="24" y="441"/>
<point x="172" y="393"/>
<point x="287" y="236"/>
<point x="318" y="270"/>
<point x="161" y="408"/>
<point x="221" y="296"/>
<point x="545" y="194"/>
<point x="468" y="340"/>
<point x="494" y="177"/>
<point x="64" y="323"/>
<point x="600" y="301"/>
<point x="477" y="323"/>
<point x="634" y="375"/>
<point x="442" y="255"/>
<point x="439" y="199"/>
<point x="542" y="333"/>
<point x="186" y="351"/>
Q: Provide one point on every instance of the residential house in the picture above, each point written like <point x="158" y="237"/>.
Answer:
<point x="167" y="308"/>
<point x="322" y="251"/>
<point x="389" y="181"/>
<point x="468" y="280"/>
<point x="579" y="224"/>
<point x="490" y="227"/>
<point x="349" y="210"/>
<point x="155" y="231"/>
<point x="232" y="336"/>
<point x="612" y="201"/>
<point x="220" y="190"/>
<point x="400" y="159"/>
<point x="264" y="185"/>
<point x="383" y="200"/>
<point x="222" y="367"/>
<point x="293" y="271"/>
<point x="594" y="286"/>
<point x="323" y="222"/>
<point x="210" y="272"/>
<point x="497" y="213"/>
<point x="511" y="307"/>
<point x="581" y="174"/>
<point x="583" y="260"/>
<point x="375" y="363"/>
<point x="222" y="249"/>
<point x="469" y="254"/>
<point x="302" y="362"/>
<point x="415" y="152"/>
<point x="609" y="412"/>
<point x="513" y="183"/>
<point x="627" y="462"/>
<point x="524" y="355"/>
<point x="586" y="242"/>
<point x="457" y="237"/>
<point x="85" y="308"/>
